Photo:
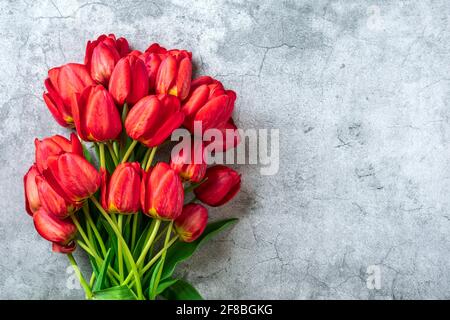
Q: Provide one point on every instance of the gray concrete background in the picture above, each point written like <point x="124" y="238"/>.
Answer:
<point x="360" y="93"/>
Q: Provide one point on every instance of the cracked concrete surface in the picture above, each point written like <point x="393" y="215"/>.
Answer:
<point x="360" y="93"/>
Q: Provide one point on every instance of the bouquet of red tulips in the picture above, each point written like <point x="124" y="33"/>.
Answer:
<point x="135" y="220"/>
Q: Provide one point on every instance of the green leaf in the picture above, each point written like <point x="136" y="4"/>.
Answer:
<point x="102" y="276"/>
<point x="181" y="290"/>
<point x="163" y="285"/>
<point x="115" y="293"/>
<point x="141" y="242"/>
<point x="153" y="279"/>
<point x="180" y="251"/>
<point x="112" y="238"/>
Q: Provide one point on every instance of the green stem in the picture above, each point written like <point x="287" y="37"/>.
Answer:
<point x="163" y="257"/>
<point x="81" y="231"/>
<point x="119" y="249"/>
<point x="145" y="160"/>
<point x="151" y="236"/>
<point x="92" y="281"/>
<point x="116" y="149"/>
<point x="83" y="282"/>
<point x="127" y="252"/>
<point x="153" y="260"/>
<point x="99" y="261"/>
<point x="129" y="151"/>
<point x="112" y="153"/>
<point x="133" y="231"/>
<point x="101" y="148"/>
<point x="94" y="228"/>
<point x="150" y="158"/>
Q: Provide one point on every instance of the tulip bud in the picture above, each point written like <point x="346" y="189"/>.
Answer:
<point x="152" y="58"/>
<point x="174" y="74"/>
<point x="32" y="201"/>
<point x="153" y="119"/>
<point x="96" y="116"/>
<point x="54" y="229"/>
<point x="102" y="56"/>
<point x="55" y="146"/>
<point x="192" y="222"/>
<point x="129" y="80"/>
<point x="52" y="202"/>
<point x="189" y="162"/>
<point x="221" y="185"/>
<point x="123" y="189"/>
<point x="230" y="138"/>
<point x="162" y="193"/>
<point x="69" y="248"/>
<point x="62" y="83"/>
<point x="72" y="177"/>
<point x="208" y="103"/>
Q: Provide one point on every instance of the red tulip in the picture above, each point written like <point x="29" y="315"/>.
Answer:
<point x="32" y="201"/>
<point x="62" y="83"/>
<point x="174" y="74"/>
<point x="55" y="146"/>
<point x="69" y="248"/>
<point x="129" y="80"/>
<point x="208" y="103"/>
<point x="52" y="202"/>
<point x="192" y="222"/>
<point x="123" y="189"/>
<point x="230" y="138"/>
<point x="96" y="116"/>
<point x="189" y="162"/>
<point x="102" y="56"/>
<point x="72" y="177"/>
<point x="221" y="185"/>
<point x="162" y="193"/>
<point x="152" y="58"/>
<point x="153" y="119"/>
<point x="54" y="229"/>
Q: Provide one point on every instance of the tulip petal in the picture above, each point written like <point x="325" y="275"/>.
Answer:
<point x="120" y="81"/>
<point x="184" y="78"/>
<point x="54" y="229"/>
<point x="166" y="75"/>
<point x="214" y="113"/>
<point x="172" y="123"/>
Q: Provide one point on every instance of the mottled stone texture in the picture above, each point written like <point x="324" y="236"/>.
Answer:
<point x="359" y="91"/>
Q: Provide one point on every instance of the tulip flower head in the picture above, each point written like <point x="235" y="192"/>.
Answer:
<point x="192" y="222"/>
<point x="162" y="193"/>
<point x="52" y="202"/>
<point x="129" y="80"/>
<point x="55" y="146"/>
<point x="62" y="83"/>
<point x="174" y="74"/>
<point x="72" y="177"/>
<point x="96" y="116"/>
<point x="32" y="201"/>
<point x="153" y="119"/>
<point x="123" y="189"/>
<point x="68" y="248"/>
<point x="54" y="229"/>
<point x="208" y="103"/>
<point x="221" y="185"/>
<point x="102" y="56"/>
<point x="152" y="58"/>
